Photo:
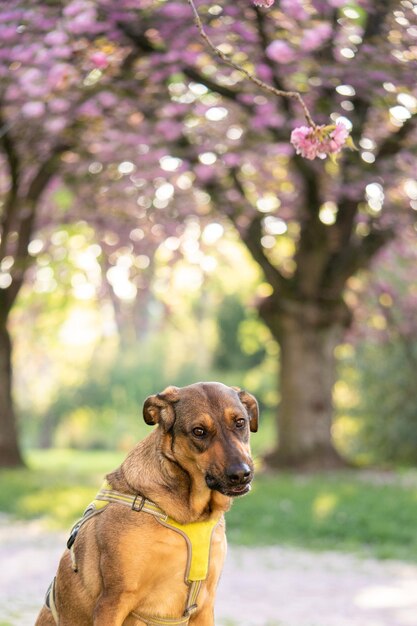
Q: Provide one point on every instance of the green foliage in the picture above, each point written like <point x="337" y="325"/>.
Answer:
<point x="386" y="410"/>
<point x="64" y="199"/>
<point x="84" y="385"/>
<point x="105" y="410"/>
<point x="102" y="408"/>
<point x="369" y="514"/>
<point x="238" y="345"/>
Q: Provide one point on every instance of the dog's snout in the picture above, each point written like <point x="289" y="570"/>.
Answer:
<point x="239" y="473"/>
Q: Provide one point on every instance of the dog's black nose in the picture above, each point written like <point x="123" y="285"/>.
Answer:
<point x="238" y="473"/>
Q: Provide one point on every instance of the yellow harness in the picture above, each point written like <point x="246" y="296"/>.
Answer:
<point x="197" y="536"/>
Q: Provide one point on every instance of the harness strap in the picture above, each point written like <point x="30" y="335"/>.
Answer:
<point x="136" y="503"/>
<point x="192" y="597"/>
<point x="197" y="535"/>
<point x="190" y="608"/>
<point x="50" y="600"/>
<point x="161" y="621"/>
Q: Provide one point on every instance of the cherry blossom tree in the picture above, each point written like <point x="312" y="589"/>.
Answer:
<point x="129" y="104"/>
<point x="71" y="119"/>
<point x="309" y="221"/>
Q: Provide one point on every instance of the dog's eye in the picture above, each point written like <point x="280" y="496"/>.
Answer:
<point x="199" y="432"/>
<point x="240" y="423"/>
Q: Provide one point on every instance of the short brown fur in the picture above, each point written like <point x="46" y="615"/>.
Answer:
<point x="127" y="561"/>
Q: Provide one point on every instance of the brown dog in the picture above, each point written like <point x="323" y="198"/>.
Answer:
<point x="130" y="567"/>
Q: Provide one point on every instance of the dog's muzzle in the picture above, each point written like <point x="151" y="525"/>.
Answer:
<point x="235" y="481"/>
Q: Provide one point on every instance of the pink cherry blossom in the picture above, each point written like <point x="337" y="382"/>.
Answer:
<point x="56" y="38"/>
<point x="264" y="72"/>
<point x="280" y="52"/>
<point x="337" y="138"/>
<point x="176" y="10"/>
<point x="305" y="142"/>
<point x="107" y="99"/>
<point x="59" y="105"/>
<point x="169" y="129"/>
<point x="56" y="125"/>
<point x="33" y="109"/>
<point x="61" y="76"/>
<point x="232" y="159"/>
<point x="99" y="60"/>
<point x="61" y="52"/>
<point x="90" y="109"/>
<point x="82" y="22"/>
<point x="32" y="81"/>
<point x="320" y="141"/>
<point x="294" y="9"/>
<point x="263" y="3"/>
<point x="78" y="6"/>
<point x="315" y="37"/>
<point x="7" y="34"/>
<point x="204" y="172"/>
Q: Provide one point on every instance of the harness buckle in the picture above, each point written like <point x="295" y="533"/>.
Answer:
<point x="138" y="507"/>
<point x="190" y="610"/>
<point x="73" y="535"/>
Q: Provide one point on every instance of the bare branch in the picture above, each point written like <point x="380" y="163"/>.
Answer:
<point x="294" y="95"/>
<point x="395" y="142"/>
<point x="251" y="235"/>
<point x="222" y="90"/>
<point x="265" y="41"/>
<point x="348" y="260"/>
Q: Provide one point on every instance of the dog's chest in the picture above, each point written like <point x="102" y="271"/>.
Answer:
<point x="155" y="563"/>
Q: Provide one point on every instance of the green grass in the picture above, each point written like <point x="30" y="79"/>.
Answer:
<point x="56" y="486"/>
<point x="343" y="511"/>
<point x="329" y="512"/>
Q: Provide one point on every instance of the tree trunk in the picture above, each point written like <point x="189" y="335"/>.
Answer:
<point x="10" y="455"/>
<point x="307" y="340"/>
<point x="16" y="225"/>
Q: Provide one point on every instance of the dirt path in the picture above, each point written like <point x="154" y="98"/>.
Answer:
<point x="259" y="587"/>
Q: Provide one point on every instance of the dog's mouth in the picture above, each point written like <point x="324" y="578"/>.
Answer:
<point x="226" y="489"/>
<point x="238" y="491"/>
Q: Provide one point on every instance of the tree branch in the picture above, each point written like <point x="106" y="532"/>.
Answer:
<point x="27" y="215"/>
<point x="348" y="260"/>
<point x="348" y="207"/>
<point x="294" y="95"/>
<point x="230" y="94"/>
<point x="395" y="142"/>
<point x="252" y="235"/>
<point x="374" y="26"/>
<point x="11" y="204"/>
<point x="265" y="41"/>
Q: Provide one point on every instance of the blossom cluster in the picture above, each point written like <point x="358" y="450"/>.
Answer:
<point x="263" y="3"/>
<point x="320" y="141"/>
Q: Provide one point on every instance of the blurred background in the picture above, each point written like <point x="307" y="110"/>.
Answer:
<point x="158" y="228"/>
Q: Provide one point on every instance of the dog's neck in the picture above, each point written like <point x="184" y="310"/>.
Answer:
<point x="184" y="497"/>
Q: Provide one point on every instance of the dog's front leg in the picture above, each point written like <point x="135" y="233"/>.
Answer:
<point x="204" y="617"/>
<point x="112" y="609"/>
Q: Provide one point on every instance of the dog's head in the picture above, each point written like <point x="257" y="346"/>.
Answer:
<point x="207" y="427"/>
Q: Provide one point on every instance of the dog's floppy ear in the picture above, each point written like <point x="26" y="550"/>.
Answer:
<point x="158" y="409"/>
<point x="251" y="404"/>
